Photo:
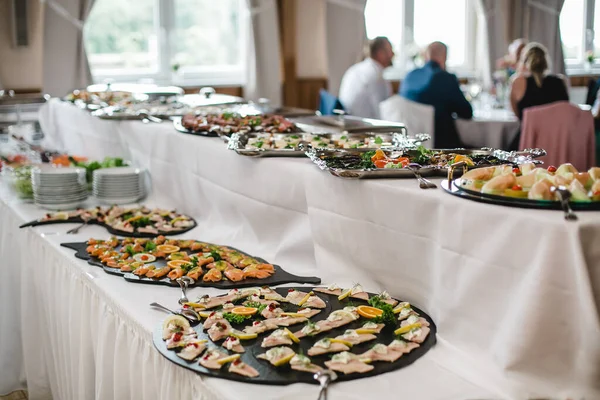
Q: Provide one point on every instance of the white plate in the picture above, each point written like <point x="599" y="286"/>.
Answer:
<point x="118" y="171"/>
<point x="47" y="170"/>
<point x="122" y="200"/>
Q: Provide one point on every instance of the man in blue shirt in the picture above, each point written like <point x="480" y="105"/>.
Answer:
<point x="434" y="86"/>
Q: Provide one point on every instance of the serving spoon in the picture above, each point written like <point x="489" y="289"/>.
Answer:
<point x="187" y="313"/>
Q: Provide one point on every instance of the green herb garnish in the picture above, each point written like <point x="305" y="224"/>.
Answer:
<point x="129" y="250"/>
<point x="259" y="144"/>
<point x="294" y="137"/>
<point x="420" y="155"/>
<point x="378" y="140"/>
<point x="388" y="318"/>
<point x="343" y="137"/>
<point x="366" y="160"/>
<point x="126" y="216"/>
<point x="235" y="318"/>
<point x="216" y="256"/>
<point x="150" y="246"/>
<point x="141" y="222"/>
<point x="257" y="305"/>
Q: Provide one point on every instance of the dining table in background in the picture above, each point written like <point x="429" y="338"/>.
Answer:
<point x="493" y="124"/>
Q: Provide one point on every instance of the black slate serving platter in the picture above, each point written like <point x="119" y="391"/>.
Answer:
<point x="280" y="276"/>
<point x="270" y="375"/>
<point x="111" y="230"/>
<point x="452" y="188"/>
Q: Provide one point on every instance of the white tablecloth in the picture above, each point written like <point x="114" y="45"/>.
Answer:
<point x="514" y="292"/>
<point x="495" y="128"/>
<point x="87" y="334"/>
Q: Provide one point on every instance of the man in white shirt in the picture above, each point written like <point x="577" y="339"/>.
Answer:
<point x="363" y="86"/>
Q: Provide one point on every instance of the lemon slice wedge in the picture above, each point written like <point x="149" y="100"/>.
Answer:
<point x="204" y="314"/>
<point x="364" y="331"/>
<point x="243" y="335"/>
<point x="284" y="360"/>
<point x="305" y="298"/>
<point x="291" y="335"/>
<point x="365" y="360"/>
<point x="176" y="320"/>
<point x="292" y="314"/>
<point x="400" y="307"/>
<point x="345" y="294"/>
<point x="61" y="216"/>
<point x="195" y="305"/>
<point x="345" y="342"/>
<point x="228" y="359"/>
<point x="406" y="328"/>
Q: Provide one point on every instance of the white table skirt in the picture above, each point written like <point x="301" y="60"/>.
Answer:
<point x="87" y="334"/>
<point x="515" y="293"/>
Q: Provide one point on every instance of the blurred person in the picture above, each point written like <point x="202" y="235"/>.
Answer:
<point x="534" y="86"/>
<point x="511" y="61"/>
<point x="363" y="86"/>
<point x="434" y="86"/>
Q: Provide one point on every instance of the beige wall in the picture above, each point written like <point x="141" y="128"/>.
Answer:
<point x="311" y="59"/>
<point x="21" y="68"/>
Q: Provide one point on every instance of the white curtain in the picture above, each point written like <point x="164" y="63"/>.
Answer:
<point x="495" y="17"/>
<point x="65" y="65"/>
<point x="346" y="38"/>
<point x="263" y="77"/>
<point x="543" y="26"/>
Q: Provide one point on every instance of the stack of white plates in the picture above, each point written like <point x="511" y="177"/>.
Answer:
<point x="58" y="188"/>
<point x="120" y="185"/>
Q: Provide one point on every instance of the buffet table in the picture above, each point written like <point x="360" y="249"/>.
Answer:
<point x="87" y="334"/>
<point x="515" y="293"/>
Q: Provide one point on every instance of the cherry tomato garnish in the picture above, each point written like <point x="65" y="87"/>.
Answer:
<point x="517" y="187"/>
<point x="144" y="258"/>
<point x="517" y="170"/>
<point x="177" y="337"/>
<point x="552" y="169"/>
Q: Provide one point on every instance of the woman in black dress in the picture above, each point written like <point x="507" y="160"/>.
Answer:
<point x="533" y="86"/>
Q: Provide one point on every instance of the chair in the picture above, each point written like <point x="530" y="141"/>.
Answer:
<point x="592" y="92"/>
<point x="564" y="130"/>
<point x="328" y="103"/>
<point x="418" y="118"/>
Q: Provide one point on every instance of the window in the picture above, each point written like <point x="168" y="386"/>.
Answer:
<point x="580" y="34"/>
<point x="411" y="26"/>
<point x="168" y="41"/>
<point x="431" y="26"/>
<point x="572" y="31"/>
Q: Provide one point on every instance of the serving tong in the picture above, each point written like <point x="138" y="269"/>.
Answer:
<point x="423" y="183"/>
<point x="564" y="195"/>
<point x="325" y="377"/>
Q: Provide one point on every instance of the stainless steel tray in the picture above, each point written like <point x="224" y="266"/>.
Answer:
<point x="345" y="123"/>
<point x="239" y="142"/>
<point x="512" y="157"/>
<point x="316" y="155"/>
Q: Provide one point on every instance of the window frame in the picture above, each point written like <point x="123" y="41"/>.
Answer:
<point x="217" y="75"/>
<point x="578" y="66"/>
<point x="467" y="69"/>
